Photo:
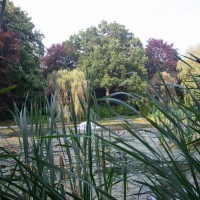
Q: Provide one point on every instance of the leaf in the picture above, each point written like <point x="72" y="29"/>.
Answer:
<point x="7" y="89"/>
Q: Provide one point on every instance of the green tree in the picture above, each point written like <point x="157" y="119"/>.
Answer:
<point x="189" y="66"/>
<point x="9" y="57"/>
<point x="31" y="48"/>
<point x="68" y="84"/>
<point x="112" y="55"/>
<point x="189" y="71"/>
<point x="3" y="5"/>
<point x="21" y="48"/>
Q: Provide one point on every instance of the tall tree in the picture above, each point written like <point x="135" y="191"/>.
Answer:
<point x="112" y="55"/>
<point x="162" y="56"/>
<point x="21" y="47"/>
<point x="69" y="84"/>
<point x="189" y="66"/>
<point x="9" y="58"/>
<point x="3" y="5"/>
<point x="57" y="57"/>
<point x="188" y="70"/>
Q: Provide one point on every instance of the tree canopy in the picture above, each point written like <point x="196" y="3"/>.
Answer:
<point x="57" y="57"/>
<point x="189" y="66"/>
<point x="161" y="56"/>
<point x="189" y="71"/>
<point x="112" y="55"/>
<point x="20" y="48"/>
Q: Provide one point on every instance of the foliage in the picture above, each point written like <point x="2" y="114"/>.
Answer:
<point x="161" y="56"/>
<point x="160" y="80"/>
<point x="102" y="111"/>
<point x="105" y="112"/>
<point x="109" y="111"/>
<point x="170" y="171"/>
<point x="21" y="46"/>
<point x="112" y="55"/>
<point x="144" y="110"/>
<point x="185" y="116"/>
<point x="188" y="69"/>
<point x="44" y="174"/>
<point x="31" y="46"/>
<point x="61" y="163"/>
<point x="189" y="66"/>
<point x="9" y="58"/>
<point x="3" y="5"/>
<point x="68" y="85"/>
<point x="121" y="110"/>
<point x="7" y="89"/>
<point x="57" y="57"/>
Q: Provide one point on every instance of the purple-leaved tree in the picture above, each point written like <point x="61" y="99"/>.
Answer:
<point x="161" y="56"/>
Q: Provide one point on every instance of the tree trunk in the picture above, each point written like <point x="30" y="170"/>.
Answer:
<point x="107" y="93"/>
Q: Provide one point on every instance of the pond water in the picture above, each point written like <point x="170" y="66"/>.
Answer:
<point x="149" y="135"/>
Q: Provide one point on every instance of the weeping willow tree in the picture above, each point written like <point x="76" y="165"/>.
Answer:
<point x="68" y="85"/>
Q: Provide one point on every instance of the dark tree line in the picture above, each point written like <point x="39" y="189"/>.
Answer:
<point x="20" y="49"/>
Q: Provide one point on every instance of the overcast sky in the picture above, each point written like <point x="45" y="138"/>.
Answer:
<point x="174" y="21"/>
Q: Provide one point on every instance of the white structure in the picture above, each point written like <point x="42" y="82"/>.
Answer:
<point x="83" y="126"/>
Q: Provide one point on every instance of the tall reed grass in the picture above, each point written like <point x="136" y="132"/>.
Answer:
<point x="56" y="161"/>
